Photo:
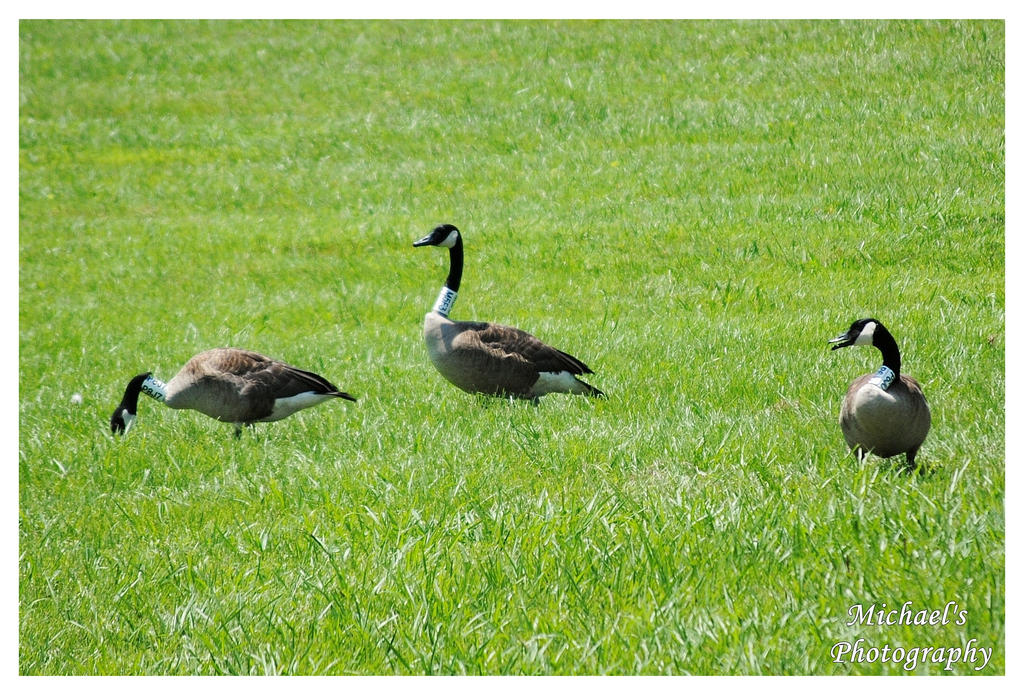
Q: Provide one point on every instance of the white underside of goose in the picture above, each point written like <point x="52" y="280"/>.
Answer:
<point x="556" y="382"/>
<point x="283" y="407"/>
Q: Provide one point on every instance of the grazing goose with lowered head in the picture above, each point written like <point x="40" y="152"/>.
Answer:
<point x="883" y="412"/>
<point x="489" y="358"/>
<point x="230" y="385"/>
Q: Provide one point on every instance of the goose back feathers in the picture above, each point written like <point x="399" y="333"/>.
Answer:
<point x="498" y="360"/>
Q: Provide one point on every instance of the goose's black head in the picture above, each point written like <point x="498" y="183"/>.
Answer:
<point x="125" y="412"/>
<point x="118" y="422"/>
<point x="862" y="332"/>
<point x="446" y="235"/>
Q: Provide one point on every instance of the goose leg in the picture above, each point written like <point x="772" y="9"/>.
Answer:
<point x="911" y="461"/>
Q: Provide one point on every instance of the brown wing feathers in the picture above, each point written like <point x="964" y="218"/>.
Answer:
<point x="539" y="355"/>
<point x="275" y="378"/>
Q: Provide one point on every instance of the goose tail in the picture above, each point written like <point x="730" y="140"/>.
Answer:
<point x="589" y="390"/>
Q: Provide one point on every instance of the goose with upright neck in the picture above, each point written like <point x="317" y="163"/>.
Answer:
<point x="883" y="412"/>
<point x="489" y="358"/>
<point x="231" y="385"/>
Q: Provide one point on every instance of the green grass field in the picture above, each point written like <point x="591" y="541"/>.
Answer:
<point x="692" y="208"/>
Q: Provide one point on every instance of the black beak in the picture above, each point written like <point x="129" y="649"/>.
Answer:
<point x="425" y="241"/>
<point x="841" y="341"/>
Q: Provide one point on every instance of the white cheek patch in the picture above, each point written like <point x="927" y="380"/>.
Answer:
<point x="867" y="335"/>
<point x="128" y="419"/>
<point x="449" y="241"/>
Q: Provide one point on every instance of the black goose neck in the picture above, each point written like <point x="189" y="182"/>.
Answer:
<point x="883" y="340"/>
<point x="130" y="401"/>
<point x="455" y="265"/>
